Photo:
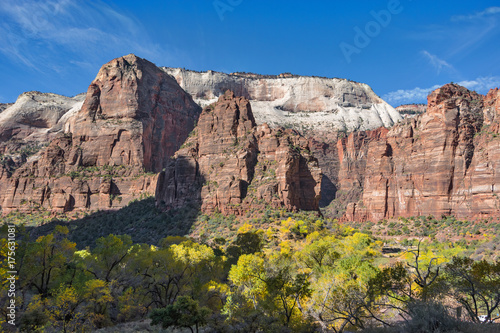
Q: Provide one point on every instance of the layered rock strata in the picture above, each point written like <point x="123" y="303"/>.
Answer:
<point x="31" y="122"/>
<point x="232" y="165"/>
<point x="444" y="162"/>
<point x="300" y="102"/>
<point x="411" y="110"/>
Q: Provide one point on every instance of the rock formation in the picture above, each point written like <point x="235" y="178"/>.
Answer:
<point x="34" y="120"/>
<point x="299" y="102"/>
<point x="231" y="165"/>
<point x="133" y="119"/>
<point x="103" y="149"/>
<point x="440" y="163"/>
<point x="4" y="106"/>
<point x="411" y="110"/>
<point x="31" y="123"/>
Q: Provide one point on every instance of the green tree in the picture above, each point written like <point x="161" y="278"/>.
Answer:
<point x="475" y="285"/>
<point x="61" y="309"/>
<point x="340" y="270"/>
<point x="110" y="252"/>
<point x="285" y="288"/>
<point x="245" y="243"/>
<point x="46" y="261"/>
<point x="184" y="313"/>
<point x="249" y="277"/>
<point x="98" y="297"/>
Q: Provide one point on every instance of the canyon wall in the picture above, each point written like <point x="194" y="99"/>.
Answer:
<point x="444" y="162"/>
<point x="133" y="135"/>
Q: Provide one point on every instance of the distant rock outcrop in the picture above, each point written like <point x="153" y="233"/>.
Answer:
<point x="34" y="119"/>
<point x="133" y="119"/>
<point x="231" y="165"/>
<point x="300" y="102"/>
<point x="4" y="106"/>
<point x="411" y="110"/>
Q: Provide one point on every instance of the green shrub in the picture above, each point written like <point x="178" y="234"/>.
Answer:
<point x="431" y="318"/>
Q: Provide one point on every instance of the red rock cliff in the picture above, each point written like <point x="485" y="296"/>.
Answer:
<point x="442" y="162"/>
<point x="231" y="165"/>
<point x="133" y="119"/>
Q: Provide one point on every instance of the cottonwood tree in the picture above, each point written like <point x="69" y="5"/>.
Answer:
<point x="425" y="271"/>
<point x="395" y="287"/>
<point x="339" y="272"/>
<point x="46" y="261"/>
<point x="109" y="256"/>
<point x="475" y="285"/>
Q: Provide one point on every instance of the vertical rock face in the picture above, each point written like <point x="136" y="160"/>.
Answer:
<point x="134" y="114"/>
<point x="231" y="165"/>
<point x="443" y="162"/>
<point x="481" y="187"/>
<point x="133" y="119"/>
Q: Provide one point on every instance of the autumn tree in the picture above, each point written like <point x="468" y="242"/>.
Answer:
<point x="105" y="259"/>
<point x="340" y="269"/>
<point x="47" y="260"/>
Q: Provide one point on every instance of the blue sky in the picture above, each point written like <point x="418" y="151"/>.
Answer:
<point x="402" y="49"/>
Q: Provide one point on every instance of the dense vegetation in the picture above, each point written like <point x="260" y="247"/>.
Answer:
<point x="281" y="273"/>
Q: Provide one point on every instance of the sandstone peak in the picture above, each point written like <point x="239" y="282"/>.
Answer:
<point x="122" y="86"/>
<point x="132" y="100"/>
<point x="231" y="165"/>
<point x="134" y="118"/>
<point x="492" y="99"/>
<point x="452" y="91"/>
<point x="491" y="106"/>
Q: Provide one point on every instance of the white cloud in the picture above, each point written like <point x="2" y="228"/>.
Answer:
<point x="419" y="95"/>
<point x="482" y="84"/>
<point x="36" y="33"/>
<point x="478" y="15"/>
<point x="416" y="95"/>
<point x="438" y="64"/>
<point x="462" y="35"/>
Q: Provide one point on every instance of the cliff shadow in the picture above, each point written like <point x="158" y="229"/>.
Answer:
<point x="328" y="191"/>
<point x="141" y="220"/>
